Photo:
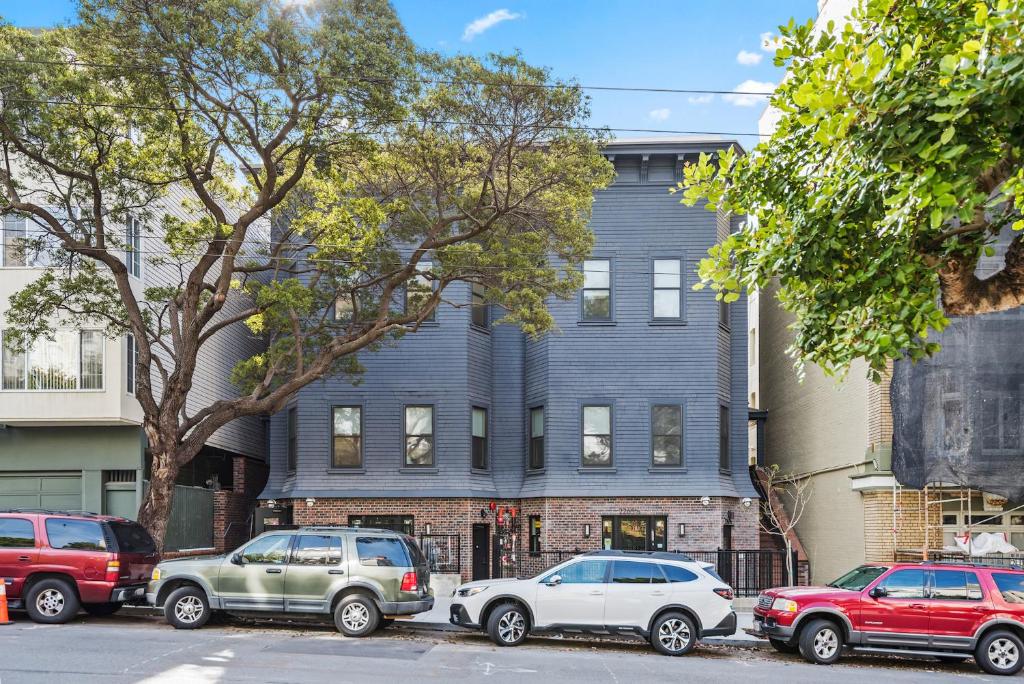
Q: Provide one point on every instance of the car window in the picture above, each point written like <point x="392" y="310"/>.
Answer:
<point x="858" y="578"/>
<point x="674" y="573"/>
<point x="82" y="535"/>
<point x="415" y="551"/>
<point x="955" y="585"/>
<point x="905" y="584"/>
<point x="634" y="572"/>
<point x="387" y="552"/>
<point x="581" y="572"/>
<point x="17" y="533"/>
<point x="132" y="538"/>
<point x="272" y="550"/>
<point x="1010" y="585"/>
<point x="317" y="549"/>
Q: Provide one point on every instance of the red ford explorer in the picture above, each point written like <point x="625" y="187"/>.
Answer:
<point x="952" y="611"/>
<point x="55" y="563"/>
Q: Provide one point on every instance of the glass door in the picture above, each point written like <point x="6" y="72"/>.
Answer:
<point x="635" y="532"/>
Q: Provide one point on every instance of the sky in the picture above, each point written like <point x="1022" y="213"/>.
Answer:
<point x="680" y="44"/>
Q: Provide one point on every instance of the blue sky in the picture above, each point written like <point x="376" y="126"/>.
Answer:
<point x="689" y="44"/>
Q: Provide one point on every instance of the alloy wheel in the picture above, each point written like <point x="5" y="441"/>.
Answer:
<point x="1003" y="653"/>
<point x="188" y="609"/>
<point x="511" y="626"/>
<point x="355" y="616"/>
<point x="50" y="602"/>
<point x="825" y="643"/>
<point x="674" y="634"/>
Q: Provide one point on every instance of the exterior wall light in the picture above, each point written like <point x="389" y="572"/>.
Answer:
<point x="586" y="530"/>
<point x="426" y="528"/>
<point x="682" y="529"/>
<point x="746" y="502"/>
<point x="705" y="501"/>
<point x="310" y="502"/>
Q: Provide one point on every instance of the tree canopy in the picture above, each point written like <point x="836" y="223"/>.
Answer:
<point x="298" y="169"/>
<point x="895" y="165"/>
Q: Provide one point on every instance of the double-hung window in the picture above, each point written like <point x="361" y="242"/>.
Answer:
<point x="72" y="360"/>
<point x="724" y="462"/>
<point x="133" y="359"/>
<point x="419" y="290"/>
<point x="479" y="438"/>
<point x="419" y="436"/>
<point x="537" y="438"/>
<point x="597" y="290"/>
<point x="479" y="309"/>
<point x="15" y="233"/>
<point x="347" y="437"/>
<point x="667" y="296"/>
<point x="597" y="436"/>
<point x="133" y="246"/>
<point x="667" y="435"/>
<point x="293" y="439"/>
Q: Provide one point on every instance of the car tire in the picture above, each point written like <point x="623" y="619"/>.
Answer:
<point x="508" y="624"/>
<point x="1000" y="653"/>
<point x="187" y="608"/>
<point x="356" y="616"/>
<point x="821" y="642"/>
<point x="673" y="634"/>
<point x="101" y="609"/>
<point x="52" y="601"/>
<point x="784" y="646"/>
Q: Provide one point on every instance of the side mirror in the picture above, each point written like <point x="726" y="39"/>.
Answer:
<point x="554" y="580"/>
<point x="236" y="559"/>
<point x="877" y="592"/>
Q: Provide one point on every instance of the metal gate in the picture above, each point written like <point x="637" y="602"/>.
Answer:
<point x="191" y="523"/>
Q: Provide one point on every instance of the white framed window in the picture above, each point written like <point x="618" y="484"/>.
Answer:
<point x="133" y="246"/>
<point x="132" y="353"/>
<point x="72" y="360"/>
<point x="667" y="289"/>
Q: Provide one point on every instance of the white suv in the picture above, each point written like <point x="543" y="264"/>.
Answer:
<point x="667" y="598"/>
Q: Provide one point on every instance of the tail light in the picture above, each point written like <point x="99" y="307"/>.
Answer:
<point x="113" y="571"/>
<point x="409" y="582"/>
<point x="724" y="593"/>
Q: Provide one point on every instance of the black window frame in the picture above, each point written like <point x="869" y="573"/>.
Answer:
<point x="724" y="439"/>
<point x="396" y="522"/>
<point x="480" y="310"/>
<point x="724" y="314"/>
<point x="331" y="558"/>
<point x="31" y="529"/>
<point x="433" y="436"/>
<point x="536" y="442"/>
<point x="535" y="527"/>
<point x="971" y="582"/>
<point x="656" y="576"/>
<point x="655" y="288"/>
<point x="481" y="458"/>
<point x="292" y="437"/>
<point x="394" y="542"/>
<point x="897" y="571"/>
<point x="610" y="289"/>
<point x="419" y="282"/>
<point x="682" y="434"/>
<point x="610" y="435"/>
<point x="73" y="521"/>
<point x="358" y="438"/>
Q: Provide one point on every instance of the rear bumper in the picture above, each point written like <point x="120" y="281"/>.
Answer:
<point x="406" y="607"/>
<point x="727" y="627"/>
<point x="134" y="592"/>
<point x="458" y="615"/>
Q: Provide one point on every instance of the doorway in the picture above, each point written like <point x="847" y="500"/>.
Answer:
<point x="481" y="551"/>
<point x="635" y="532"/>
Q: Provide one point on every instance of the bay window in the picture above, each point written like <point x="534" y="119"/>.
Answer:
<point x="72" y="360"/>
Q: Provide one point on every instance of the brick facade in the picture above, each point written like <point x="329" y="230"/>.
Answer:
<point x="909" y="521"/>
<point x="232" y="508"/>
<point x="562" y="519"/>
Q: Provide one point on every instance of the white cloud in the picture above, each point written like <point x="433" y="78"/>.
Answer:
<point x="770" y="42"/>
<point x="660" y="114"/>
<point x="478" y="26"/>
<point x="749" y="58"/>
<point x="741" y="96"/>
<point x="700" y="99"/>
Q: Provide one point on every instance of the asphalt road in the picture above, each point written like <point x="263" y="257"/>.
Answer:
<point x="143" y="649"/>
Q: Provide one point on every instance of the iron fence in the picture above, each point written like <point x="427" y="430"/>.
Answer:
<point x="443" y="552"/>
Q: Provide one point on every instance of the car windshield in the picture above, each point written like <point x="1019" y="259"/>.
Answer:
<point x="858" y="578"/>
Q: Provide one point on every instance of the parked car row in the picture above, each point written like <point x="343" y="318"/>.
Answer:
<point x="55" y="564"/>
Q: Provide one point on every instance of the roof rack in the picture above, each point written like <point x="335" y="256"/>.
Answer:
<point x="343" y="528"/>
<point x="47" y="511"/>
<point x="658" y="555"/>
<point x="974" y="564"/>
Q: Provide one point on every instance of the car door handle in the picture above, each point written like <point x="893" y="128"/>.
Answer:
<point x="657" y="593"/>
<point x="597" y="593"/>
<point x="25" y="558"/>
<point x="335" y="572"/>
<point x="274" y="571"/>
<point x="917" y="606"/>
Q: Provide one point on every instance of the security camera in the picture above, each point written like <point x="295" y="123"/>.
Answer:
<point x="746" y="502"/>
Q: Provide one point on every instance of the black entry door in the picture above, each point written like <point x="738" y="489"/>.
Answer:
<point x="481" y="551"/>
<point x="635" y="532"/>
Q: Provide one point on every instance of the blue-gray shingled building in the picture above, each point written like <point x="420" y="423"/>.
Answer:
<point x="625" y="428"/>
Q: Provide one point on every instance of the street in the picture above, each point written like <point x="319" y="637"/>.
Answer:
<point x="145" y="650"/>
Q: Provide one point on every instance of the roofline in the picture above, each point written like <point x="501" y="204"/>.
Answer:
<point x="671" y="143"/>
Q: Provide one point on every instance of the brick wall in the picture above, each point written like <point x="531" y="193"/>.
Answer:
<point x="232" y="508"/>
<point x="880" y="412"/>
<point x="910" y="518"/>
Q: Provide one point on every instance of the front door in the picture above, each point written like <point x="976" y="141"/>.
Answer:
<point x="481" y="551"/>
<point x="635" y="592"/>
<point x="18" y="552"/>
<point x="900" y="616"/>
<point x="635" y="532"/>
<point x="256" y="580"/>
<point x="315" y="573"/>
<point x="577" y="599"/>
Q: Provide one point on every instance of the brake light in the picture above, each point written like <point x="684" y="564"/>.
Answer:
<point x="409" y="582"/>
<point x="724" y="593"/>
<point x="113" y="571"/>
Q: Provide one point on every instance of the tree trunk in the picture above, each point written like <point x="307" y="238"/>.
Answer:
<point x="155" y="512"/>
<point x="789" y="561"/>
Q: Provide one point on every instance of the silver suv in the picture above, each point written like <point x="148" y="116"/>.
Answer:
<point x="363" y="577"/>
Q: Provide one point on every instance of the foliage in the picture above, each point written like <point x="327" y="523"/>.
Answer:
<point x="894" y="167"/>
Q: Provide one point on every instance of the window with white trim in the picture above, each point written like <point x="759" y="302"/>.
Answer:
<point x="133" y="246"/>
<point x="72" y="360"/>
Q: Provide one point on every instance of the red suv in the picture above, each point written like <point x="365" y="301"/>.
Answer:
<point x="951" y="611"/>
<point x="55" y="563"/>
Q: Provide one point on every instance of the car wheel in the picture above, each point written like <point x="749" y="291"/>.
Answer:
<point x="52" y="602"/>
<point x="187" y="608"/>
<point x="1000" y="653"/>
<point x="821" y="642"/>
<point x="673" y="634"/>
<point x="356" y="616"/>
<point x="507" y="625"/>
<point x="784" y="646"/>
<point x="102" y="609"/>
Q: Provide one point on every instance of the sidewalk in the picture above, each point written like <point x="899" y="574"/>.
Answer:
<point x="437" y="619"/>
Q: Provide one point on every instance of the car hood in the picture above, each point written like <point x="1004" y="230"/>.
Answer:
<point x="489" y="583"/>
<point x="820" y="592"/>
<point x="178" y="564"/>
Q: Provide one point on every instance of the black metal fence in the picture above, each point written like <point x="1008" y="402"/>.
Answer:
<point x="443" y="552"/>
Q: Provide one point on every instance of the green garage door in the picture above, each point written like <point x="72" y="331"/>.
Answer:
<point x="54" y="492"/>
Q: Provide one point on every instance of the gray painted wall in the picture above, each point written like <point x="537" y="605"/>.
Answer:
<point x="630" y="363"/>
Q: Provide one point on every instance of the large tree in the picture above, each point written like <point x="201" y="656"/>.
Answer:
<point x="896" y="164"/>
<point x="207" y="119"/>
